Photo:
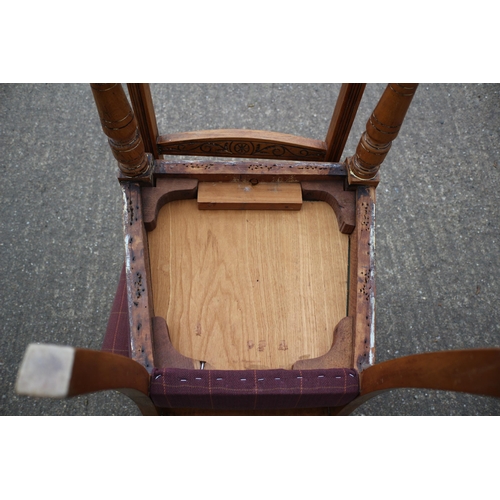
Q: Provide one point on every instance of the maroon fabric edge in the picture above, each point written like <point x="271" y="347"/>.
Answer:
<point x="117" y="337"/>
<point x="253" y="389"/>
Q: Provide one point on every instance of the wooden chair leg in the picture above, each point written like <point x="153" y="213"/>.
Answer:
<point x="62" y="372"/>
<point x="120" y="125"/>
<point x="474" y="371"/>
<point x="381" y="129"/>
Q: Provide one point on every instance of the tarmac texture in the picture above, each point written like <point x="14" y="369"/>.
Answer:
<point x="437" y="222"/>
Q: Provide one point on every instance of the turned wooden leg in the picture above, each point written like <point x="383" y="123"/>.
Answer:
<point x="381" y="129"/>
<point x="474" y="371"/>
<point x="53" y="371"/>
<point x="119" y="124"/>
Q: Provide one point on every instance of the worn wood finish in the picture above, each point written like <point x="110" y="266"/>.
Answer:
<point x="475" y="371"/>
<point x="249" y="289"/>
<point x="362" y="279"/>
<point x="140" y="306"/>
<point x="144" y="179"/>
<point x="240" y="143"/>
<point x="247" y="196"/>
<point x="339" y="356"/>
<point x="120" y="126"/>
<point x="98" y="371"/>
<point x="62" y="372"/>
<point x="142" y="104"/>
<point x="165" y="191"/>
<point x="343" y="117"/>
<point x="262" y="171"/>
<point x="332" y="192"/>
<point x="381" y="129"/>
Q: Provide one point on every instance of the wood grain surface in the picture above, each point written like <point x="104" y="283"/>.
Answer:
<point x="248" y="196"/>
<point x="249" y="289"/>
<point x="343" y="117"/>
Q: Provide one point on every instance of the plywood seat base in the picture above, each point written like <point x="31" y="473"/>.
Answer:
<point x="249" y="289"/>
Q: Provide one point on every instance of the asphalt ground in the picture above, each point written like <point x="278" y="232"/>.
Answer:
<point x="437" y="234"/>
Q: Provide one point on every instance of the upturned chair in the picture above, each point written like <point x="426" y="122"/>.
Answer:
<point x="248" y="285"/>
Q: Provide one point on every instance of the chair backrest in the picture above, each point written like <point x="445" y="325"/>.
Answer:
<point x="134" y="134"/>
<point x="239" y="143"/>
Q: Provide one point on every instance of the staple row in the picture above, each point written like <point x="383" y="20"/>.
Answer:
<point x="244" y="379"/>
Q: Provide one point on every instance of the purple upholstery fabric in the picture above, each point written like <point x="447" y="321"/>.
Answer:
<point x="117" y="338"/>
<point x="233" y="389"/>
<point x="253" y="389"/>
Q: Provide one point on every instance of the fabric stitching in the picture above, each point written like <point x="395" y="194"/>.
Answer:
<point x="256" y="388"/>
<point x="210" y="390"/>
<point x="231" y="392"/>
<point x="301" y="386"/>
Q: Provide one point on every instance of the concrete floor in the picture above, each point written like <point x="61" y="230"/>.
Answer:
<point x="438" y="222"/>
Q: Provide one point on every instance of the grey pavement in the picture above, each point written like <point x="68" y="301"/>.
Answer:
<point x="438" y="222"/>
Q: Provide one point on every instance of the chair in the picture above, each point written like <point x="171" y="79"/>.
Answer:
<point x="248" y="285"/>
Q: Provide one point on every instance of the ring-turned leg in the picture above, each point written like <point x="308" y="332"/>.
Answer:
<point x="381" y="129"/>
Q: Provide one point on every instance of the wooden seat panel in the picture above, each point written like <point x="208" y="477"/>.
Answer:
<point x="249" y="289"/>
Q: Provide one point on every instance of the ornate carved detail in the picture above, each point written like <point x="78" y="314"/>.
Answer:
<point x="242" y="149"/>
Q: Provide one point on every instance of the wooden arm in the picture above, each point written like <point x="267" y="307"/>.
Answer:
<point x="53" y="371"/>
<point x="474" y="371"/>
